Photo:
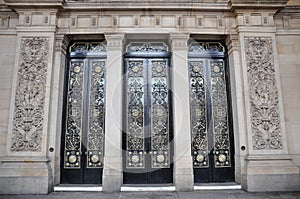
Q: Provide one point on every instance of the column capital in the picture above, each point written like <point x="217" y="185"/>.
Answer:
<point x="61" y="43"/>
<point x="114" y="41"/>
<point x="232" y="42"/>
<point x="179" y="41"/>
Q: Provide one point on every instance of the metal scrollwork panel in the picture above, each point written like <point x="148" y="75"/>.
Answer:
<point x="95" y="143"/>
<point x="160" y="149"/>
<point x="220" y="114"/>
<point x="135" y="157"/>
<point x="74" y="116"/>
<point x="198" y="114"/>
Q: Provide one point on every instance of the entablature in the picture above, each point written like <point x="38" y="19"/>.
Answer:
<point x="147" y="4"/>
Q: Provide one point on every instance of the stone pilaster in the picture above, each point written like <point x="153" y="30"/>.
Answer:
<point x="268" y="166"/>
<point x="183" y="164"/>
<point x="56" y="105"/>
<point x="238" y="104"/>
<point x="25" y="167"/>
<point x="112" y="172"/>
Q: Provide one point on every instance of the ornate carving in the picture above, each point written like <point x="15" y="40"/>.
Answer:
<point x="30" y="95"/>
<point x="147" y="47"/>
<point x="264" y="108"/>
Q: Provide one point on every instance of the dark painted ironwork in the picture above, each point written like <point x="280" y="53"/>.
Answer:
<point x="147" y="136"/>
<point x="211" y="126"/>
<point x="83" y="134"/>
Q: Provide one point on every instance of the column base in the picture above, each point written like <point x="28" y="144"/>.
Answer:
<point x="183" y="174"/>
<point x="270" y="173"/>
<point x="112" y="174"/>
<point x="19" y="175"/>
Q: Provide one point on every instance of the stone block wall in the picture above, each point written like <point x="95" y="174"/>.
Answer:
<point x="289" y="62"/>
<point x="7" y="58"/>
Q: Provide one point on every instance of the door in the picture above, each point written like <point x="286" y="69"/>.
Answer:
<point x="147" y="157"/>
<point x="211" y="126"/>
<point x="83" y="128"/>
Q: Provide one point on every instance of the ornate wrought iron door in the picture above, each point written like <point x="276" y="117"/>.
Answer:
<point x="212" y="139"/>
<point x="83" y="137"/>
<point x="147" y="135"/>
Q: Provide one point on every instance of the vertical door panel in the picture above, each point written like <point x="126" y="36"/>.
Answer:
<point x="211" y="129"/>
<point x="135" y="146"/>
<point x="147" y="136"/>
<point x="83" y="146"/>
<point x="160" y="149"/>
<point x="72" y="152"/>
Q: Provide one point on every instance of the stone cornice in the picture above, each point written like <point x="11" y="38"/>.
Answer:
<point x="28" y="4"/>
<point x="260" y="4"/>
<point x="147" y="4"/>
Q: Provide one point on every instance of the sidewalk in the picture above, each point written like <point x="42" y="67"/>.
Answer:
<point x="222" y="194"/>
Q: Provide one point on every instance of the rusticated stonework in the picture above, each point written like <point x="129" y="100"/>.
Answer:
<point x="30" y="94"/>
<point x="264" y="108"/>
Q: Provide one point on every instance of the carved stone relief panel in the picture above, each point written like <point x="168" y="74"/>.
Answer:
<point x="263" y="91"/>
<point x="30" y="95"/>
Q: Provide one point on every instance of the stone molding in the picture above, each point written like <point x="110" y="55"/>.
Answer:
<point x="34" y="3"/>
<point x="269" y="4"/>
<point x="141" y="4"/>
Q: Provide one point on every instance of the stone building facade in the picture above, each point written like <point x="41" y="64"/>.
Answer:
<point x="174" y="92"/>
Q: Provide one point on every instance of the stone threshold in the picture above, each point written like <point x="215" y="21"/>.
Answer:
<point x="136" y="188"/>
<point x="217" y="186"/>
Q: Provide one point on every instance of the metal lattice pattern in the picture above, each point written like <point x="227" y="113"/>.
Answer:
<point x="96" y="115"/>
<point x="220" y="115"/>
<point x="74" y="116"/>
<point x="160" y="115"/>
<point x="198" y="119"/>
<point x="135" y="157"/>
<point x="207" y="78"/>
<point x="85" y="105"/>
<point x="147" y="95"/>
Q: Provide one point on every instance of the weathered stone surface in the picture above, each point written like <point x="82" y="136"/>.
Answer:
<point x="176" y="20"/>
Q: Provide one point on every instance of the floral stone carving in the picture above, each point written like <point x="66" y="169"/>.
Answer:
<point x="30" y="95"/>
<point x="264" y="102"/>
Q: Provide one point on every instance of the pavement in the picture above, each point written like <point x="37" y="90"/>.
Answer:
<point x="222" y="194"/>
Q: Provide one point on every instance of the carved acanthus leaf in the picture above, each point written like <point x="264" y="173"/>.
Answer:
<point x="264" y="102"/>
<point x="30" y="94"/>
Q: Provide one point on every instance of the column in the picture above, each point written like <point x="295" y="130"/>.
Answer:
<point x="183" y="164"/>
<point x="112" y="172"/>
<point x="268" y="166"/>
<point x="25" y="167"/>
